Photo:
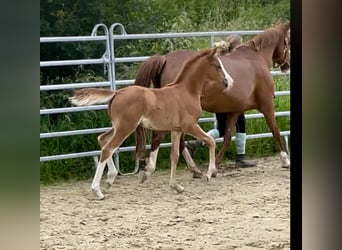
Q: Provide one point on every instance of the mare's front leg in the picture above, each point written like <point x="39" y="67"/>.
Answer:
<point x="174" y="156"/>
<point x="157" y="136"/>
<point x="268" y="111"/>
<point x="196" y="131"/>
<point x="196" y="172"/>
<point x="227" y="139"/>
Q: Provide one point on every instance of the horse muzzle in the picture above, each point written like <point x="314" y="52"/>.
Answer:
<point x="225" y="82"/>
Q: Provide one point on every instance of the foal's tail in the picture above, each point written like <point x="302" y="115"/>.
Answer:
<point x="148" y="72"/>
<point x="90" y="96"/>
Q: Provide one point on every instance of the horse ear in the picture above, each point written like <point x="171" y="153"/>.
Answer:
<point x="286" y="26"/>
<point x="213" y="52"/>
<point x="256" y="45"/>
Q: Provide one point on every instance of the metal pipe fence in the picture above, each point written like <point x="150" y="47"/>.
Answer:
<point x="109" y="60"/>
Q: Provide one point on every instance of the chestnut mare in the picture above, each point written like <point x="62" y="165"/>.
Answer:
<point x="134" y="105"/>
<point x="249" y="66"/>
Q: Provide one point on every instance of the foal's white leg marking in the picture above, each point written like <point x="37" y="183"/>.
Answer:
<point x="95" y="186"/>
<point x="211" y="167"/>
<point x="284" y="159"/>
<point x="226" y="75"/>
<point x="112" y="171"/>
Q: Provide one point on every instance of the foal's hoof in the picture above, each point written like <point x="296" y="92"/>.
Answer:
<point x="142" y="176"/>
<point x="109" y="182"/>
<point x="178" y="188"/>
<point x="99" y="194"/>
<point x="206" y="177"/>
<point x="196" y="174"/>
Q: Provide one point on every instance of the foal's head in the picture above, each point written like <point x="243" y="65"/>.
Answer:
<point x="206" y="67"/>
<point x="281" y="55"/>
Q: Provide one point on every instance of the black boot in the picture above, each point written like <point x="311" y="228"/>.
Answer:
<point x="192" y="146"/>
<point x="242" y="163"/>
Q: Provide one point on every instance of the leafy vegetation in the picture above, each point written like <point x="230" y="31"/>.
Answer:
<point x="76" y="18"/>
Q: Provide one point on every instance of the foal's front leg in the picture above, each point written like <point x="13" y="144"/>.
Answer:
<point x="174" y="156"/>
<point x="152" y="160"/>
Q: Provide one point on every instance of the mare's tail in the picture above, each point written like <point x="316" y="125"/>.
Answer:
<point x="148" y="72"/>
<point x="90" y="96"/>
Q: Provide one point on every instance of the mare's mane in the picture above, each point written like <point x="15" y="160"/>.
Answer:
<point x="265" y="39"/>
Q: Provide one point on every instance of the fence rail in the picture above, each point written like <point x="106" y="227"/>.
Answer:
<point x="109" y="60"/>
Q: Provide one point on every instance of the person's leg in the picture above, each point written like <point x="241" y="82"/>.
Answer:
<point x="240" y="140"/>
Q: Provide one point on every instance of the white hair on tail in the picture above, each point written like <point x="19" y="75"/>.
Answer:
<point x="90" y="99"/>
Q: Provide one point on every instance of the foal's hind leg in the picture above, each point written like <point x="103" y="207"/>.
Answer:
<point x="268" y="112"/>
<point x="120" y="134"/>
<point x="112" y="171"/>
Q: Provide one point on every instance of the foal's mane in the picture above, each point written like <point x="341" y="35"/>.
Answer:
<point x="267" y="38"/>
<point x="188" y="63"/>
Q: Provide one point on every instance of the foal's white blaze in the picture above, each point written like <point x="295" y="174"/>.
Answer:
<point x="226" y="75"/>
<point x="284" y="159"/>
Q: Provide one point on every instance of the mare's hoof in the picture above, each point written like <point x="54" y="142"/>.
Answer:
<point x="197" y="175"/>
<point x="142" y="176"/>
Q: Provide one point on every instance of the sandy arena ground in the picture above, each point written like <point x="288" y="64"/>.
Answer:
<point x="239" y="209"/>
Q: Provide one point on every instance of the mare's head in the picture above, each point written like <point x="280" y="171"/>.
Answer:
<point x="276" y="39"/>
<point x="205" y="67"/>
<point x="281" y="55"/>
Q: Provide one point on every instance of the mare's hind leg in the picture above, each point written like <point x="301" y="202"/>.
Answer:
<point x="268" y="112"/>
<point x="112" y="171"/>
<point x="150" y="167"/>
<point x="227" y="139"/>
<point x="196" y="131"/>
<point x="174" y="156"/>
<point x="120" y="134"/>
